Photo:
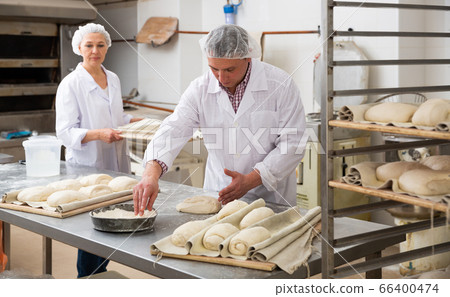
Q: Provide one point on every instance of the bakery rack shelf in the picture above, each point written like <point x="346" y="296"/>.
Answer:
<point x="424" y="138"/>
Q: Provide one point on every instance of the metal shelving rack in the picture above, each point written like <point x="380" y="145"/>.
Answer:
<point x="329" y="213"/>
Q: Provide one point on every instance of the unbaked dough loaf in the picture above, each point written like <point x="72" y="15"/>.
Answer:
<point x="426" y="182"/>
<point x="437" y="162"/>
<point x="182" y="234"/>
<point x="199" y="205"/>
<point x="231" y="208"/>
<point x="241" y="242"/>
<point x="432" y="112"/>
<point x="390" y="112"/>
<point x="67" y="196"/>
<point x="35" y="194"/>
<point x="122" y="183"/>
<point x="66" y="184"/>
<point x="96" y="190"/>
<point x="216" y="234"/>
<point x="393" y="170"/>
<point x="95" y="179"/>
<point x="255" y="215"/>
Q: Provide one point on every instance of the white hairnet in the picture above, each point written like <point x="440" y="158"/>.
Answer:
<point x="86" y="29"/>
<point x="230" y="42"/>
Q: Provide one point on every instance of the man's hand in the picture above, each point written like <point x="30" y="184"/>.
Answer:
<point x="239" y="186"/>
<point x="146" y="191"/>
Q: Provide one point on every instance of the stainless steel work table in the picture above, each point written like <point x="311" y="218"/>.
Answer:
<point x="133" y="249"/>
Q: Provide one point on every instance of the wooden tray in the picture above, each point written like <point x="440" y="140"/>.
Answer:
<point x="61" y="215"/>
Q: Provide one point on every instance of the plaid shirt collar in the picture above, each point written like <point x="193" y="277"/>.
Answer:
<point x="236" y="98"/>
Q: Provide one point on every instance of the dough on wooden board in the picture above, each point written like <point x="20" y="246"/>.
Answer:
<point x="439" y="162"/>
<point x="66" y="196"/>
<point x="393" y="170"/>
<point x="216" y="234"/>
<point x="96" y="190"/>
<point x="240" y="243"/>
<point x="425" y="182"/>
<point x="122" y="183"/>
<point x="95" y="179"/>
<point x="432" y="112"/>
<point x="255" y="215"/>
<point x="199" y="205"/>
<point x="231" y="208"/>
<point x="66" y="184"/>
<point x="390" y="112"/>
<point x="182" y="234"/>
<point x="35" y="194"/>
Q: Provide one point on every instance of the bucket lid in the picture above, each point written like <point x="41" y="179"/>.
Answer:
<point x="40" y="141"/>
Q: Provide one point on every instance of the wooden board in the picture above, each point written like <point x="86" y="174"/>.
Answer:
<point x="157" y="30"/>
<point x="61" y="215"/>
<point x="438" y="206"/>
<point x="390" y="129"/>
<point x="265" y="266"/>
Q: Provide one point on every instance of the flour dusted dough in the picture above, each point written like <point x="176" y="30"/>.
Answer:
<point x="432" y="112"/>
<point x="35" y="194"/>
<point x="393" y="170"/>
<point x="96" y="190"/>
<point x="425" y="182"/>
<point x="182" y="234"/>
<point x="66" y="184"/>
<point x="122" y="183"/>
<point x="231" y="208"/>
<point x="255" y="215"/>
<point x="67" y="196"/>
<point x="95" y="179"/>
<point x="390" y="112"/>
<point x="240" y="243"/>
<point x="437" y="162"/>
<point x="216" y="234"/>
<point x="199" y="205"/>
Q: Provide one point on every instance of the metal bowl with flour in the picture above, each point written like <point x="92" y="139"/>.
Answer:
<point x="121" y="218"/>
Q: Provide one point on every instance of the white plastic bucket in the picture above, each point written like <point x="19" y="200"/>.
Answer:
<point x="43" y="155"/>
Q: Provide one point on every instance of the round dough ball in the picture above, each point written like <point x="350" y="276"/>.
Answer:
<point x="390" y="112"/>
<point x="95" y="179"/>
<point x="66" y="184"/>
<point x="122" y="183"/>
<point x="393" y="170"/>
<point x="35" y="194"/>
<point x="426" y="182"/>
<point x="241" y="242"/>
<point x="255" y="215"/>
<point x="182" y="234"/>
<point x="199" y="205"/>
<point x="231" y="208"/>
<point x="432" y="112"/>
<point x="96" y="190"/>
<point x="437" y="162"/>
<point x="217" y="234"/>
<point x="67" y="196"/>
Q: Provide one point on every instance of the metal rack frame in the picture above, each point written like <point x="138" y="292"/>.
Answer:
<point x="329" y="242"/>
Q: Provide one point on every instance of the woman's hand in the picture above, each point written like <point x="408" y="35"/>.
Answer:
<point x="107" y="135"/>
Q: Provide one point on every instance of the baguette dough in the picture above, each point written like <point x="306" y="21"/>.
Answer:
<point x="96" y="190"/>
<point x="66" y="184"/>
<point x="432" y="112"/>
<point x="231" y="208"/>
<point x="393" y="170"/>
<point x="199" y="205"/>
<point x="182" y="234"/>
<point x="255" y="215"/>
<point x="122" y="183"/>
<point x="35" y="194"/>
<point x="216" y="234"/>
<point x="66" y="196"/>
<point x="425" y="182"/>
<point x="95" y="179"/>
<point x="391" y="112"/>
<point x="440" y="162"/>
<point x="241" y="242"/>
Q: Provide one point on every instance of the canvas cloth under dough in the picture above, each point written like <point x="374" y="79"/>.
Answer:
<point x="354" y="113"/>
<point x="443" y="127"/>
